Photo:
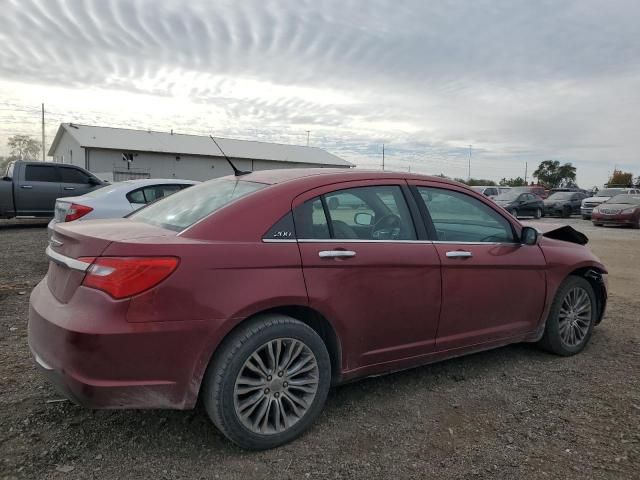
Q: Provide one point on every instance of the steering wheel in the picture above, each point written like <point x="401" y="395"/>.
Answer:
<point x="387" y="222"/>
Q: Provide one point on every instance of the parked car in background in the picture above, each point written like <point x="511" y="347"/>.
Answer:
<point x="503" y="189"/>
<point x="487" y="190"/>
<point x="521" y="204"/>
<point x="30" y="189"/>
<point x="116" y="200"/>
<point x="241" y="293"/>
<point x="620" y="210"/>
<point x="538" y="190"/>
<point x="588" y="204"/>
<point x="563" y="204"/>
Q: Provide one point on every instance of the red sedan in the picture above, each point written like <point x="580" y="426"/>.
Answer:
<point x="256" y="293"/>
<point x="622" y="210"/>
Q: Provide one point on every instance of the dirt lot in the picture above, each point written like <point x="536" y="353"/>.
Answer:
<point x="510" y="413"/>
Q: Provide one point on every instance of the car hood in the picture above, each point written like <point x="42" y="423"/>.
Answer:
<point x="596" y="199"/>
<point x="618" y="206"/>
<point x="557" y="231"/>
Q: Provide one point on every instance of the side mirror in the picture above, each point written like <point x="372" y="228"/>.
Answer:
<point x="363" y="218"/>
<point x="529" y="236"/>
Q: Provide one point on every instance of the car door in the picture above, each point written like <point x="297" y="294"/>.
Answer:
<point x="576" y="201"/>
<point x="74" y="182"/>
<point x="368" y="270"/>
<point x="493" y="287"/>
<point x="36" y="194"/>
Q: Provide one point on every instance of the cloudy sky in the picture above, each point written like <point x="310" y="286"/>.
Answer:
<point x="520" y="80"/>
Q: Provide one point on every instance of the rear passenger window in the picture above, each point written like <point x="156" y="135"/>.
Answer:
<point x="137" y="196"/>
<point x="73" y="175"/>
<point x="458" y="217"/>
<point x="364" y="213"/>
<point x="41" y="173"/>
<point x="310" y="220"/>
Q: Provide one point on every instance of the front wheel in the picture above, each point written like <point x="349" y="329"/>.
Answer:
<point x="268" y="382"/>
<point x="571" y="318"/>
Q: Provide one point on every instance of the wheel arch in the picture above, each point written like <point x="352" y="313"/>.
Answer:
<point x="302" y="313"/>
<point x="595" y="276"/>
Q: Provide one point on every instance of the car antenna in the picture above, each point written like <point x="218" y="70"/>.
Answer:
<point x="236" y="172"/>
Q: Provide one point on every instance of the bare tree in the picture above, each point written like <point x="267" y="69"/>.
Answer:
<point x="23" y="147"/>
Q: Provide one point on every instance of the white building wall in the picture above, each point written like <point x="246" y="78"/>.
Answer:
<point x="69" y="151"/>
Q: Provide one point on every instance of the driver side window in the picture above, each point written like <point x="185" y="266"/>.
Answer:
<point x="364" y="213"/>
<point x="458" y="217"/>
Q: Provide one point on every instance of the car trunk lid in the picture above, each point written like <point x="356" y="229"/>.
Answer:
<point x="74" y="244"/>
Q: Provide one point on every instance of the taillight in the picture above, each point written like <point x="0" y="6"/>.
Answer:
<point x="123" y="277"/>
<point x="76" y="211"/>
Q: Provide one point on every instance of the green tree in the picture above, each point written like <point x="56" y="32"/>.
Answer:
<point x="552" y="175"/>
<point x="23" y="147"/>
<point x="513" y="182"/>
<point x="620" y="178"/>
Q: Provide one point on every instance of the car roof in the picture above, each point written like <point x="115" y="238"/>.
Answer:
<point x="328" y="175"/>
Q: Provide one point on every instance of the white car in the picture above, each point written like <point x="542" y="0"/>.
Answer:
<point x="116" y="200"/>
<point x="588" y="204"/>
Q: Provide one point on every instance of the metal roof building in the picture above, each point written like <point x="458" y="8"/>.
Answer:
<point x="120" y="153"/>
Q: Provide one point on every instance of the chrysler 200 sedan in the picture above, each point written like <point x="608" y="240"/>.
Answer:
<point x="255" y="293"/>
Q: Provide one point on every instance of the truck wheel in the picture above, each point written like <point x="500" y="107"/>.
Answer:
<point x="268" y="382"/>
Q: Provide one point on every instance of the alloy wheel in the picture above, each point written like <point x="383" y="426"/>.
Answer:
<point x="276" y="386"/>
<point x="575" y="317"/>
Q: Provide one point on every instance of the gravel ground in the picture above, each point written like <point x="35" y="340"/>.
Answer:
<point x="515" y="412"/>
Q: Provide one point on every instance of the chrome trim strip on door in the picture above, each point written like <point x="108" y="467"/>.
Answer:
<point x="351" y="240"/>
<point x="459" y="254"/>
<point x="71" y="263"/>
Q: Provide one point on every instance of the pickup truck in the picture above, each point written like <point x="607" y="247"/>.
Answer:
<point x="30" y="189"/>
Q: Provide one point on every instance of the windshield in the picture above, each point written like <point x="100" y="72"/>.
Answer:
<point x="628" y="199"/>
<point x="510" y="195"/>
<point x="609" y="192"/>
<point x="560" y="196"/>
<point x="184" y="208"/>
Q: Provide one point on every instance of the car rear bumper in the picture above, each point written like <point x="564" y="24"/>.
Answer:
<point x="94" y="357"/>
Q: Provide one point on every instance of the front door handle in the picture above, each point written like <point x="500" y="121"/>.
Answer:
<point x="459" y="254"/>
<point x="26" y="186"/>
<point x="69" y="188"/>
<point x="336" y="254"/>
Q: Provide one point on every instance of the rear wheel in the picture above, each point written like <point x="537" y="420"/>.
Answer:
<point x="596" y="224"/>
<point x="268" y="382"/>
<point x="566" y="212"/>
<point x="514" y="212"/>
<point x="571" y="318"/>
<point x="537" y="213"/>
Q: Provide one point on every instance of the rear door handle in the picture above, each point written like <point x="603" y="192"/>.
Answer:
<point x="336" y="254"/>
<point x="459" y="254"/>
<point x="26" y="186"/>
<point x="69" y="188"/>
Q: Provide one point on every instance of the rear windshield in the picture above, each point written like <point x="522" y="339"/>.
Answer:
<point x="510" y="195"/>
<point x="186" y="207"/>
<point x="560" y="196"/>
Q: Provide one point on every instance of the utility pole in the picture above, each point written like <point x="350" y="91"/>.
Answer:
<point x="470" y="162"/>
<point x="43" y="132"/>
<point x="526" y="168"/>
<point x="308" y="132"/>
<point x="383" y="157"/>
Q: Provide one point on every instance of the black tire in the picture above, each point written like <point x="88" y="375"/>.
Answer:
<point x="566" y="213"/>
<point x="596" y="224"/>
<point x="218" y="393"/>
<point x="538" y="213"/>
<point x="552" y="339"/>
<point x="637" y="224"/>
<point x="586" y="217"/>
<point x="514" y="212"/>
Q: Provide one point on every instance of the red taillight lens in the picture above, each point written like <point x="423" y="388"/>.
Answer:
<point x="123" y="277"/>
<point x="76" y="211"/>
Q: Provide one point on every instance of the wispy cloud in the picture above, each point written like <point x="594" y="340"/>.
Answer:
<point x="519" y="80"/>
